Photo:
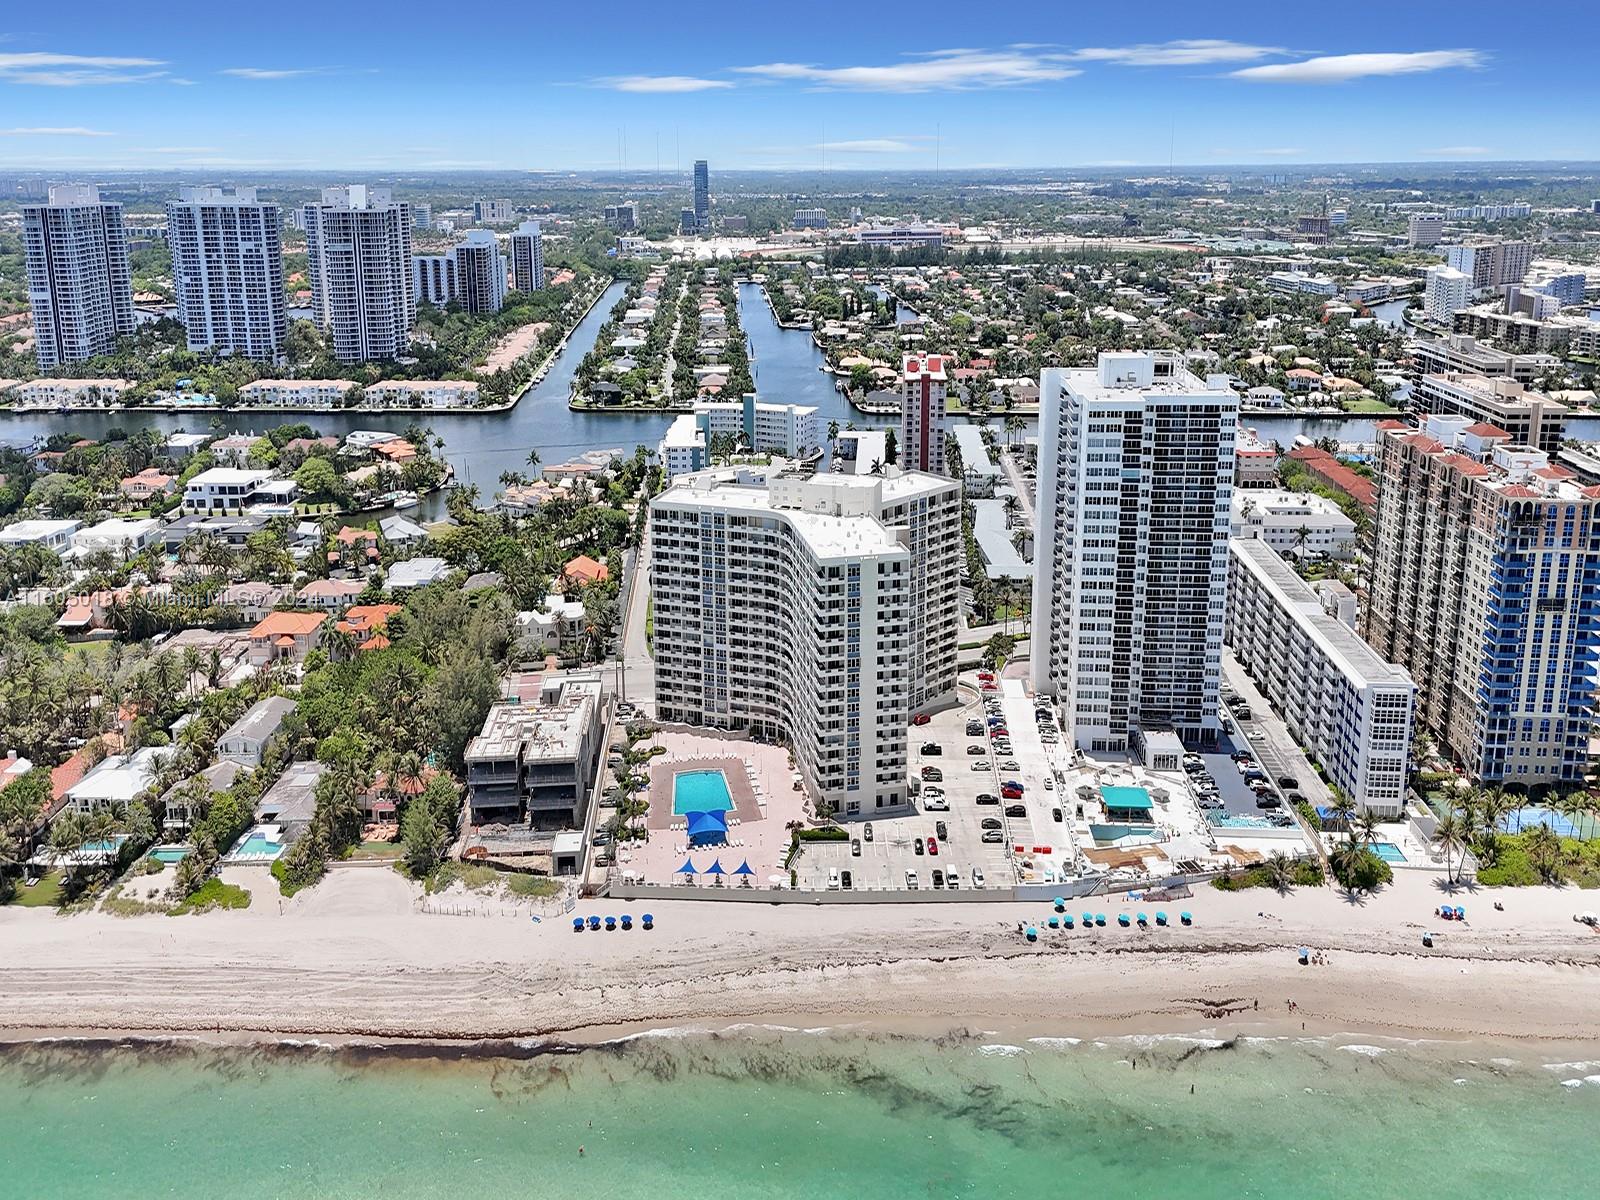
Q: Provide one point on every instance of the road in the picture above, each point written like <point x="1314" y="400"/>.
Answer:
<point x="638" y="683"/>
<point x="1024" y="494"/>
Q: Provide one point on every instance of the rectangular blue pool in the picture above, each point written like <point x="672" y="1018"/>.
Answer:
<point x="700" y="791"/>
<point x="1388" y="851"/>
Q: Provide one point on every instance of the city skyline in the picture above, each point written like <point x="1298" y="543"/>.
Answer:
<point x="1256" y="85"/>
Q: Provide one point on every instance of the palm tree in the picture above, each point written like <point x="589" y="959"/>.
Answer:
<point x="1450" y="835"/>
<point x="1280" y="872"/>
<point x="533" y="458"/>
<point x="833" y="434"/>
<point x="1344" y="811"/>
<point x="1544" y="852"/>
<point x="1365" y="830"/>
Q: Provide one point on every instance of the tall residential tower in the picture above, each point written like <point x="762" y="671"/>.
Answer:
<point x="358" y="254"/>
<point x="1131" y="567"/>
<point x="227" y="268"/>
<point x="79" y="284"/>
<point x="923" y="423"/>
<point x="702" y="195"/>
<point x="527" y="257"/>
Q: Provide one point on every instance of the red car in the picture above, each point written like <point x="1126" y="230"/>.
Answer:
<point x="1011" y="793"/>
<point x="987" y="676"/>
<point x="988" y="687"/>
<point x="933" y="845"/>
<point x="921" y="719"/>
<point x="999" y="731"/>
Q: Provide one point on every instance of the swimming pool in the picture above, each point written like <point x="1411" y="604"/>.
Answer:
<point x="700" y="791"/>
<point x="170" y="854"/>
<point x="259" y="846"/>
<point x="1388" y="851"/>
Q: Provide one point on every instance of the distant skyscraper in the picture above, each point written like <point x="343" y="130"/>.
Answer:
<point x="227" y="269"/>
<point x="481" y="272"/>
<point x="527" y="257"/>
<point x="687" y="222"/>
<point x="79" y="284"/>
<point x="358" y="254"/>
<point x="1491" y="264"/>
<point x="1446" y="292"/>
<point x="422" y="216"/>
<point x="702" y="194"/>
<point x="1424" y="229"/>
<point x="623" y="217"/>
<point x="1136" y="462"/>
<point x="922" y="413"/>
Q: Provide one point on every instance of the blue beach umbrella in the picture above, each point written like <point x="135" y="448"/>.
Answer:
<point x="1033" y="934"/>
<point x="1061" y="905"/>
<point x="687" y="868"/>
<point x="715" y="868"/>
<point x="577" y="924"/>
<point x="647" y="921"/>
<point x="743" y="868"/>
<point x="1161" y="918"/>
<point x="1186" y="918"/>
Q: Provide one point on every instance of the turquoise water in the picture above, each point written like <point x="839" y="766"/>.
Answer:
<point x="700" y="791"/>
<point x="1389" y="852"/>
<point x="758" y="1115"/>
<point x="170" y="854"/>
<point x="261" y="846"/>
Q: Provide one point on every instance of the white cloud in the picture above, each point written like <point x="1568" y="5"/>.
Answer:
<point x="57" y="131"/>
<point x="945" y="71"/>
<point x="1187" y="52"/>
<point x="868" y="146"/>
<point x="1455" y="151"/>
<point x="47" y="69"/>
<point x="266" y="72"/>
<point x="1341" y="68"/>
<point x="661" y="84"/>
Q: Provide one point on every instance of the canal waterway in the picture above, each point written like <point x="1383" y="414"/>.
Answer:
<point x="481" y="446"/>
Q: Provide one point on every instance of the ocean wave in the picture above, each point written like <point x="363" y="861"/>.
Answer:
<point x="1587" y="1064"/>
<point x="1366" y="1051"/>
<point x="1001" y="1049"/>
<point x="1055" y="1043"/>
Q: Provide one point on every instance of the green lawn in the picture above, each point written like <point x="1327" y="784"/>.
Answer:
<point x="213" y="893"/>
<point x="1369" y="406"/>
<point x="44" y="894"/>
<point x="378" y="850"/>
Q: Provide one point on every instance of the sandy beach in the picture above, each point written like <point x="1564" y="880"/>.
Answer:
<point x="354" y="957"/>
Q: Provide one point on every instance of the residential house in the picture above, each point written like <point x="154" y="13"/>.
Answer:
<point x="223" y="490"/>
<point x="416" y="572"/>
<point x="117" y="536"/>
<point x="254" y="600"/>
<point x="245" y="741"/>
<point x="401" y="533"/>
<point x="330" y="595"/>
<point x="354" y="550"/>
<point x="52" y="535"/>
<point x="286" y="635"/>
<point x="291" y="802"/>
<point x="178" y="812"/>
<point x="557" y="628"/>
<point x="149" y="484"/>
<point x="116" y="779"/>
<point x="366" y="624"/>
<point x="582" y="571"/>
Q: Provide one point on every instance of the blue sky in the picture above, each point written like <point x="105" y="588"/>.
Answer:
<point x="546" y="86"/>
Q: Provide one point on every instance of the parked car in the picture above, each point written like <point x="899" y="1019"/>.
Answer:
<point x="973" y="751"/>
<point x="933" y="847"/>
<point x="1239" y="755"/>
<point x="940" y="829"/>
<point x="932" y="748"/>
<point x="921" y="719"/>
<point x="991" y="823"/>
<point x="986" y="676"/>
<point x="980" y="766"/>
<point x="844" y="880"/>
<point x="1049" y="784"/>
<point x="932" y="774"/>
<point x="938" y="878"/>
<point x="936" y="804"/>
<point x="993" y="835"/>
<point x="1055" y="814"/>
<point x="855" y="847"/>
<point x="1242" y="712"/>
<point x="1288" y="781"/>
<point x="866" y="831"/>
<point x="1268" y="800"/>
<point x="1010" y="793"/>
<point x="952" y="881"/>
<point x="985" y="798"/>
<point x="917" y="846"/>
<point x="977" y="878"/>
<point x="1296" y="798"/>
<point x="988" y="687"/>
<point x="833" y="879"/>
<point x="1011" y="764"/>
<point x="999" y="731"/>
<point x="911" y="879"/>
<point x="1016" y="810"/>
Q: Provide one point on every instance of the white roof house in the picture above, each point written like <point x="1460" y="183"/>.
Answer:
<point x="117" y="536"/>
<point x="116" y="779"/>
<point x="416" y="572"/>
<point x="52" y="535"/>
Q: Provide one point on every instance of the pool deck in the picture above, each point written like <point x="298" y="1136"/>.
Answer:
<point x="664" y="770"/>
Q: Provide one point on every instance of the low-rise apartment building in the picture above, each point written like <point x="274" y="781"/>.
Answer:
<point x="817" y="608"/>
<point x="535" y="763"/>
<point x="1339" y="698"/>
<point x="1462" y="353"/>
<point x="67" y="393"/>
<point x="1293" y="523"/>
<point x="296" y="393"/>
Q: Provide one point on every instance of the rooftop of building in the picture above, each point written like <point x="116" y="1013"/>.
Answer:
<point x="1119" y="375"/>
<point x="1504" y="395"/>
<point x="1355" y="659"/>
<point x="260" y="719"/>
<point x="549" y="729"/>
<point x="1486" y="454"/>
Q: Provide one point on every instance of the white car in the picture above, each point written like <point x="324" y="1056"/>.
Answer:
<point x="911" y="880"/>
<point x="977" y="877"/>
<point x="833" y="879"/>
<point x="952" y="881"/>
<point x="936" y="804"/>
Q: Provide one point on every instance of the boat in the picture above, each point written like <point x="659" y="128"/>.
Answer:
<point x="398" y="500"/>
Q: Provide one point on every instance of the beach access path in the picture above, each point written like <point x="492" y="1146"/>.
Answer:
<point x="354" y="956"/>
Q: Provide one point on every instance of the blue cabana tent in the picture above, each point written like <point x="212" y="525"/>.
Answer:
<point x="744" y="868"/>
<point x="715" y="868"/>
<point x="707" y="828"/>
<point x="687" y="868"/>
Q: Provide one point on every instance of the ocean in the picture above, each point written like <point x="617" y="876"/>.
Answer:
<point x="763" y="1112"/>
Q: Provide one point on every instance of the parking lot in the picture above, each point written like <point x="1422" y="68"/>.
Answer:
<point x="952" y="802"/>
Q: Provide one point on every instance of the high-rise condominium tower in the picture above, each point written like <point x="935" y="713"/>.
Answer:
<point x="227" y="268"/>
<point x="358" y="252"/>
<point x="79" y="284"/>
<point x="527" y="257"/>
<point x="1131" y="567"/>
<point x="923" y="424"/>
<point x="821" y="609"/>
<point x="702" y="194"/>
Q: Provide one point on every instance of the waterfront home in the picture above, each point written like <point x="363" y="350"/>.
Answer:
<point x="557" y="628"/>
<point x="401" y="533"/>
<point x="291" y="802"/>
<point x="116" y="779"/>
<point x="223" y="490"/>
<point x="399" y="451"/>
<point x="86" y="612"/>
<point x="421" y="393"/>
<point x="245" y="741"/>
<point x="253" y="599"/>
<point x="116" y="536"/>
<point x="354" y="550"/>
<point x="234" y="531"/>
<point x="286" y="635"/>
<point x="330" y="595"/>
<point x="147" y="485"/>
<point x="378" y="801"/>
<point x="234" y="450"/>
<point x="179" y="804"/>
<point x="416" y="572"/>
<point x="296" y="393"/>
<point x="55" y="536"/>
<point x="68" y="393"/>
<point x="366" y="624"/>
<point x="181" y="445"/>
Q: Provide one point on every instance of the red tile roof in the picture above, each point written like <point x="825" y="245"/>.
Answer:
<point x="1484" y="429"/>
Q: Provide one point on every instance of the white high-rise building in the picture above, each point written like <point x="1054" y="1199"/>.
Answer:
<point x="227" y="269"/>
<point x="1131" y="553"/>
<point x="922" y="413"/>
<point x="527" y="257"/>
<point x="1446" y="292"/>
<point x="816" y="608"/>
<point x="1491" y="264"/>
<point x="481" y="272"/>
<point x="79" y="284"/>
<point x="422" y="216"/>
<point x="491" y="212"/>
<point x="433" y="278"/>
<point x="358" y="255"/>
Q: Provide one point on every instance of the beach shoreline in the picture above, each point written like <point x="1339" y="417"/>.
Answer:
<point x="355" y="959"/>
